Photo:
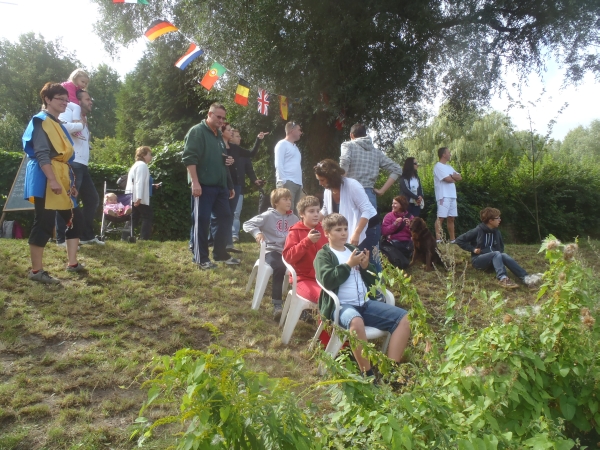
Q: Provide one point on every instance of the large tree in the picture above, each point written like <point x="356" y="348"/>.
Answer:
<point x="25" y="66"/>
<point x="104" y="87"/>
<point x="158" y="102"/>
<point x="29" y="63"/>
<point x="375" y="60"/>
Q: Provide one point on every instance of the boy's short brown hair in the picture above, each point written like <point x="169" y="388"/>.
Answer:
<point x="333" y="220"/>
<point x="487" y="214"/>
<point x="278" y="194"/>
<point x="307" y="202"/>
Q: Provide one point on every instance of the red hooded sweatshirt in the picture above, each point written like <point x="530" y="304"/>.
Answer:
<point x="300" y="252"/>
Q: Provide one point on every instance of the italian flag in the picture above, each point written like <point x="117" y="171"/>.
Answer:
<point x="139" y="2"/>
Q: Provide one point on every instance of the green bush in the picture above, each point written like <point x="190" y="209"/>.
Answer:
<point x="528" y="380"/>
<point x="223" y="405"/>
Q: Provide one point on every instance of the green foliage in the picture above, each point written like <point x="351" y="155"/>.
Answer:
<point x="170" y="203"/>
<point x="582" y="143"/>
<point x="159" y="103"/>
<point x="475" y="138"/>
<point x="223" y="405"/>
<point x="104" y="87"/>
<point x="11" y="131"/>
<point x="110" y="150"/>
<point x="376" y="61"/>
<point x="528" y="380"/>
<point x="9" y="164"/>
<point x="25" y="66"/>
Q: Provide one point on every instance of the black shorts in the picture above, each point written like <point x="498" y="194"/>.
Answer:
<point x="44" y="222"/>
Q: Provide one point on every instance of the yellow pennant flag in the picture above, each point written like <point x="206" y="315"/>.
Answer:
<point x="283" y="107"/>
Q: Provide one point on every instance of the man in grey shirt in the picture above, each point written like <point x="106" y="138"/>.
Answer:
<point x="362" y="161"/>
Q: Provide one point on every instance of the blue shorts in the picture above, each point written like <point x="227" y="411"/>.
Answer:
<point x="375" y="314"/>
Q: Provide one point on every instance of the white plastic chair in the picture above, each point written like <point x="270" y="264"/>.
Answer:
<point x="262" y="272"/>
<point x="293" y="307"/>
<point x="335" y="343"/>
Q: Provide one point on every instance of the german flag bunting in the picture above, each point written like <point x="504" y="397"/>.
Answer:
<point x="158" y="28"/>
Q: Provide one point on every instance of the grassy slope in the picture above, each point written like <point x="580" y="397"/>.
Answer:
<point x="70" y="354"/>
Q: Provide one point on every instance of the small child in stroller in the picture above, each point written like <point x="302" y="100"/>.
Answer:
<point x="113" y="207"/>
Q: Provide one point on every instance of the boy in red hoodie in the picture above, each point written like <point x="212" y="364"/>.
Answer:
<point x="304" y="240"/>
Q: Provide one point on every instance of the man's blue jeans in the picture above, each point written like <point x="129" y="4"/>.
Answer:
<point x="371" y="241"/>
<point x="88" y="196"/>
<point x="236" y="216"/>
<point x="232" y="205"/>
<point x="500" y="261"/>
<point x="214" y="200"/>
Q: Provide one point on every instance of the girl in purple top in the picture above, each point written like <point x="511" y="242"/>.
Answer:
<point x="396" y="226"/>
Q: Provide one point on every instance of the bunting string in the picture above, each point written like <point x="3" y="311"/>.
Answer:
<point x="160" y="27"/>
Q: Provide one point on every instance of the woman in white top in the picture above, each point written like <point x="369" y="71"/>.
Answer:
<point x="347" y="197"/>
<point x="140" y="184"/>
<point x="410" y="186"/>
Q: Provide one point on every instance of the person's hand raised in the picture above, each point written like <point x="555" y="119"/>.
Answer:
<point x="364" y="262"/>
<point x="262" y="134"/>
<point x="355" y="258"/>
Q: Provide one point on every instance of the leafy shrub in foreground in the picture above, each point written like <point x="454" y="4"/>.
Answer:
<point x="223" y="405"/>
<point x="527" y="380"/>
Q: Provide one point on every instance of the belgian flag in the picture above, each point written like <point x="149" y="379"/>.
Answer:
<point x="242" y="92"/>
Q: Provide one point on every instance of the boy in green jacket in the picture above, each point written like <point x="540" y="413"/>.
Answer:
<point x="341" y="268"/>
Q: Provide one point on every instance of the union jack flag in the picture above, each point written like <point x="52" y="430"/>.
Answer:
<point x="263" y="102"/>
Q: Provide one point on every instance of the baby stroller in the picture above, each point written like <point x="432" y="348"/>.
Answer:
<point x="118" y="224"/>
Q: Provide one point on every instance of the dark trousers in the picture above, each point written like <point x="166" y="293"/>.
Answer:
<point x="88" y="196"/>
<point x="499" y="261"/>
<point x="405" y="247"/>
<point x="143" y="213"/>
<point x="214" y="200"/>
<point x="371" y="243"/>
<point x="413" y="209"/>
<point x="44" y="222"/>
<point x="274" y="260"/>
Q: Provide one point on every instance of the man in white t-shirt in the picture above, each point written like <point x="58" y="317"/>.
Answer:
<point x="444" y="179"/>
<point x="88" y="194"/>
<point x="288" y="168"/>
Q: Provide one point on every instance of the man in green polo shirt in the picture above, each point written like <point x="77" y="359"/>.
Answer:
<point x="204" y="156"/>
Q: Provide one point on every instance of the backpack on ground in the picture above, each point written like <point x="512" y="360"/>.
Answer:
<point x="394" y="255"/>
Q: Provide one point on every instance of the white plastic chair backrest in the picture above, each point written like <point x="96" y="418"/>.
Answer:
<point x="336" y="300"/>
<point x="293" y="273"/>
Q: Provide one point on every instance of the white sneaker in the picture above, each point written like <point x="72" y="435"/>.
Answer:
<point x="64" y="245"/>
<point x="533" y="280"/>
<point x="94" y="241"/>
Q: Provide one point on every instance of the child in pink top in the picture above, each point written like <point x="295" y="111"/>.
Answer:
<point x="78" y="79"/>
<point x="113" y="207"/>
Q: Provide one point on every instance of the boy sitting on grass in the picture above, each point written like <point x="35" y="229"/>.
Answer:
<point x="302" y="244"/>
<point x="341" y="268"/>
<point x="487" y="250"/>
<point x="272" y="226"/>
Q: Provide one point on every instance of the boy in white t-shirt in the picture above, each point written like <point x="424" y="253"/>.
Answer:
<point x="444" y="179"/>
<point x="345" y="270"/>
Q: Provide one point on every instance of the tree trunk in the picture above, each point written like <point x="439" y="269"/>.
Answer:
<point x="320" y="140"/>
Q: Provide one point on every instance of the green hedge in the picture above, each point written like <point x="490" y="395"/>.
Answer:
<point x="566" y="194"/>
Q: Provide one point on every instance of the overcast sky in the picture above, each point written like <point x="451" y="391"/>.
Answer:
<point x="22" y="16"/>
